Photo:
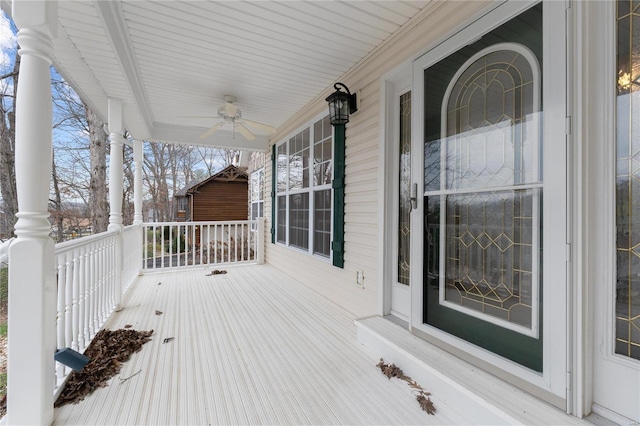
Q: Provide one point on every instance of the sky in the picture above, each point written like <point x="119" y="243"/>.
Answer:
<point x="8" y="39"/>
<point x="8" y="42"/>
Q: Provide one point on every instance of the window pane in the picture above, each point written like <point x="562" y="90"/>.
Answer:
<point x="490" y="253"/>
<point x="322" y="222"/>
<point x="404" y="187"/>
<point x="492" y="135"/>
<point x="322" y="154"/>
<point x="299" y="220"/>
<point x="627" y="315"/>
<point x="282" y="219"/>
<point x="299" y="161"/>
<point x="281" y="164"/>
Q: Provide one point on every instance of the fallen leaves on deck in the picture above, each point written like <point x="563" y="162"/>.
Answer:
<point x="216" y="272"/>
<point x="422" y="396"/>
<point x="108" y="351"/>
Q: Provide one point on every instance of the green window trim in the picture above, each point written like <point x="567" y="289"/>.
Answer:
<point x="337" y="245"/>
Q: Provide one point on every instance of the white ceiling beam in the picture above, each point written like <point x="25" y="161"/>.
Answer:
<point x="112" y="16"/>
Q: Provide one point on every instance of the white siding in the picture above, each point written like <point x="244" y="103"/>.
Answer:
<point x="431" y="26"/>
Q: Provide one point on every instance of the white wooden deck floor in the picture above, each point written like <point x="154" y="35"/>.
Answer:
<point x="251" y="347"/>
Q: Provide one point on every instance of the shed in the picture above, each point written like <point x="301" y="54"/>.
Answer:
<point x="223" y="196"/>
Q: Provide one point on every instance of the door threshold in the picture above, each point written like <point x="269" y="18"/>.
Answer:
<point x="398" y="321"/>
<point x="479" y="396"/>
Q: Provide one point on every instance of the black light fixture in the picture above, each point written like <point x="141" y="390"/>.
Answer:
<point x="341" y="104"/>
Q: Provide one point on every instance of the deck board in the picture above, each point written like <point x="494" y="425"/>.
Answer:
<point x="252" y="346"/>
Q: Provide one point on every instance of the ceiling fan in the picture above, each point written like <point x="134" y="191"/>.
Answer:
<point x="231" y="114"/>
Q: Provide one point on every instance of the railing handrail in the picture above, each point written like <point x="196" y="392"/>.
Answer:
<point x="201" y="222"/>
<point x="79" y="242"/>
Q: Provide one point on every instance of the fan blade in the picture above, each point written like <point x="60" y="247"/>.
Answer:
<point x="260" y="126"/>
<point x="245" y="132"/>
<point x="211" y="130"/>
<point x="197" y="116"/>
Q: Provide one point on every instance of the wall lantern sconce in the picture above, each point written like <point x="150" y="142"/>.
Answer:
<point x="341" y="104"/>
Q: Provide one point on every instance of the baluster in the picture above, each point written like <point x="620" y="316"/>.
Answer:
<point x="162" y="247"/>
<point x="145" y="245"/>
<point x="92" y="288"/>
<point x="114" y="275"/>
<point x="171" y="246"/>
<point x="228" y="242"/>
<point x="235" y="242"/>
<point x="208" y="243"/>
<point x="105" y="264"/>
<point x="82" y="301"/>
<point x="154" y="227"/>
<point x="60" y="316"/>
<point x="75" y="303"/>
<point x="193" y="244"/>
<point x="100" y="255"/>
<point x="243" y="237"/>
<point x="68" y="289"/>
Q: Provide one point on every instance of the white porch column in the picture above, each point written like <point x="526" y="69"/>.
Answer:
<point x="137" y="182"/>
<point x="32" y="283"/>
<point x="116" y="184"/>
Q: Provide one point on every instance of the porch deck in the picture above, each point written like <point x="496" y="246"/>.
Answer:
<point x="251" y="347"/>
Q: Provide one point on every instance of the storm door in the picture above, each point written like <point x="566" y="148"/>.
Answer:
<point x="485" y="159"/>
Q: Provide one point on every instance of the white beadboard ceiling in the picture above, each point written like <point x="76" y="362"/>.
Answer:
<point x="168" y="59"/>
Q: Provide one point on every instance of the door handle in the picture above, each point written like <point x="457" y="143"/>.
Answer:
<point x="414" y="196"/>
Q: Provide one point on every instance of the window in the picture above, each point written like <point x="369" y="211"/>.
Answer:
<point x="256" y="183"/>
<point x="304" y="174"/>
<point x="183" y="204"/>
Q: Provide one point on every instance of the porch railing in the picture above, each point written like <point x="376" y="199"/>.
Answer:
<point x="90" y="286"/>
<point x="188" y="244"/>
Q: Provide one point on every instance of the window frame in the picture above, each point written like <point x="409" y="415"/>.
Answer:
<point x="259" y="202"/>
<point x="311" y="189"/>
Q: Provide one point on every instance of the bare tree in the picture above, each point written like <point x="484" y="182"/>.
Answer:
<point x="7" y="150"/>
<point x="98" y="193"/>
<point x="127" y="193"/>
<point x="56" y="210"/>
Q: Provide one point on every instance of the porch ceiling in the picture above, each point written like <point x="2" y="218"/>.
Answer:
<point x="167" y="59"/>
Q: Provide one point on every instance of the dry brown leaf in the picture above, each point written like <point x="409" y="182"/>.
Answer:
<point x="426" y="404"/>
<point x="391" y="370"/>
<point x="158" y="312"/>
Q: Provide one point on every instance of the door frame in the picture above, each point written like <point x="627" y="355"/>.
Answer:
<point x="392" y="84"/>
<point x="599" y="164"/>
<point x="553" y="384"/>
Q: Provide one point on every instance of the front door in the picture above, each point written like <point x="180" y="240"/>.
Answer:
<point x="617" y="297"/>
<point x="493" y="162"/>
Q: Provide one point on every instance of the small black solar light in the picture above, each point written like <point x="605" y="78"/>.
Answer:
<point x="72" y="359"/>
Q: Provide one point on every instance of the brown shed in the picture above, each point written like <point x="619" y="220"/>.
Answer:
<point x="222" y="196"/>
